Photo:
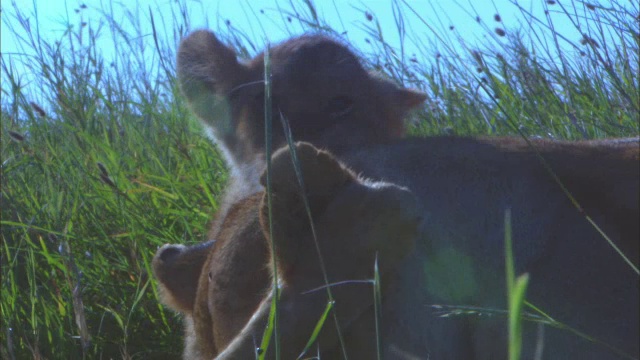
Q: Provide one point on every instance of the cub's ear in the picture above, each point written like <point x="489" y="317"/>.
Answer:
<point x="177" y="269"/>
<point x="402" y="99"/>
<point x="323" y="176"/>
<point x="409" y="98"/>
<point x="207" y="70"/>
<point x="321" y="172"/>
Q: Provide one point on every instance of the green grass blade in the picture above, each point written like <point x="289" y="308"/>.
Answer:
<point x="305" y="200"/>
<point x="516" y="289"/>
<point x="516" y="303"/>
<point x="268" y="117"/>
<point x="377" y="305"/>
<point x="268" y="331"/>
<point x="317" y="328"/>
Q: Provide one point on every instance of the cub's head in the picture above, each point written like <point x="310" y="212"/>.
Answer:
<point x="318" y="84"/>
<point x="177" y="269"/>
<point x="355" y="219"/>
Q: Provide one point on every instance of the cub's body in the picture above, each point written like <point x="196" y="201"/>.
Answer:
<point x="458" y="260"/>
<point x="464" y="187"/>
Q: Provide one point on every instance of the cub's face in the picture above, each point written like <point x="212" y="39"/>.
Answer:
<point x="318" y="85"/>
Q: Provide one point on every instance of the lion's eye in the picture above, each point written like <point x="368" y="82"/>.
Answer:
<point x="339" y="106"/>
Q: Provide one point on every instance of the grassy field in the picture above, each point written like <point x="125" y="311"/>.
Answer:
<point x="104" y="163"/>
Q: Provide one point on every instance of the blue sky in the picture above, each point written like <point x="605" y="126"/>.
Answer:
<point x="246" y="15"/>
<point x="261" y="20"/>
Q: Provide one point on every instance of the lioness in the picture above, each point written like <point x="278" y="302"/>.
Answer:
<point x="463" y="186"/>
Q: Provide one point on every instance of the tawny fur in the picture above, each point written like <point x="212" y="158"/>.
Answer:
<point x="464" y="185"/>
<point x="357" y="222"/>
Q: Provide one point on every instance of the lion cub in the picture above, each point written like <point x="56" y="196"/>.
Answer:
<point x="356" y="221"/>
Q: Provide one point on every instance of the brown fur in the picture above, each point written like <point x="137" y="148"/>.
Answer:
<point x="187" y="287"/>
<point x="177" y="269"/>
<point x="356" y="221"/>
<point x="463" y="186"/>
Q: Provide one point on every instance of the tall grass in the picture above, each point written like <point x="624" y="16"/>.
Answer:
<point x="100" y="165"/>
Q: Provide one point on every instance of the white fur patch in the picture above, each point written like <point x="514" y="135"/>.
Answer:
<point x="245" y="177"/>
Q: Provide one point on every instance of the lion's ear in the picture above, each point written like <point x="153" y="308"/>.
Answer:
<point x="322" y="173"/>
<point x="283" y="175"/>
<point x="410" y="98"/>
<point x="323" y="176"/>
<point x="207" y="70"/>
<point x="203" y="59"/>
